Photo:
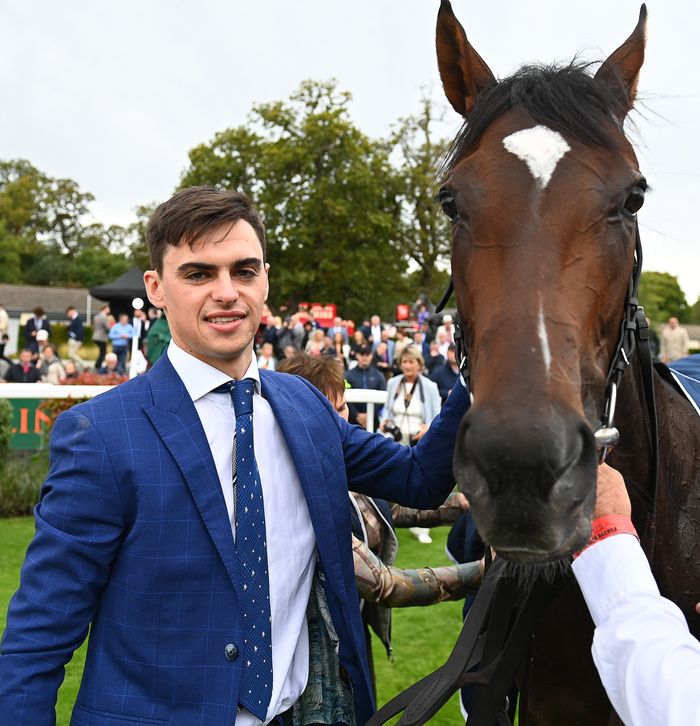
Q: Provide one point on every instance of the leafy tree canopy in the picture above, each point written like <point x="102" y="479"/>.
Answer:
<point x="662" y="297"/>
<point x="330" y="197"/>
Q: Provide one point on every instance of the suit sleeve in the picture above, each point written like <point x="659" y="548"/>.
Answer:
<point x="79" y="525"/>
<point x="418" y="476"/>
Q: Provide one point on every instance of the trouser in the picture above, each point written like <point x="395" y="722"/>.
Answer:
<point x="101" y="352"/>
<point x="121" y="356"/>
<point x="73" y="348"/>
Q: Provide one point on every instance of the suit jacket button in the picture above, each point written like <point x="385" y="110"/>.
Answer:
<point x="231" y="652"/>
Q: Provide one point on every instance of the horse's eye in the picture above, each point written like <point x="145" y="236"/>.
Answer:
<point x="448" y="204"/>
<point x="634" y="201"/>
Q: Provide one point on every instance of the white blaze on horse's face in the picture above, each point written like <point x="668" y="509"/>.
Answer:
<point x="542" y="335"/>
<point x="540" y="148"/>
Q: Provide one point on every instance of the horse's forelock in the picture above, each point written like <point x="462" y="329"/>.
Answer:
<point x="564" y="98"/>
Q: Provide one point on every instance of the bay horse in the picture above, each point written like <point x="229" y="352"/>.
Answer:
<point x="543" y="189"/>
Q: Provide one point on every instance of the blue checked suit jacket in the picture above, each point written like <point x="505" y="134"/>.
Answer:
<point x="133" y="541"/>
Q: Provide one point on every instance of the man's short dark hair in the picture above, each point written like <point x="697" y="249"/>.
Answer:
<point x="191" y="213"/>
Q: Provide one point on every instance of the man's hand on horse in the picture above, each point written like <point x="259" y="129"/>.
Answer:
<point x="611" y="495"/>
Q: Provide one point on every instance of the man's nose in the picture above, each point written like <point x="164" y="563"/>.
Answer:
<point x="225" y="288"/>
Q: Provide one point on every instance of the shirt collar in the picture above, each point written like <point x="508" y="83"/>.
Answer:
<point x="199" y="378"/>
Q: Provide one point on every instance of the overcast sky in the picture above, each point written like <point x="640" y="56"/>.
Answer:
<point x="113" y="95"/>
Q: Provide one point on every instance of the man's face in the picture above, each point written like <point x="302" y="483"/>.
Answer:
<point x="375" y="320"/>
<point x="364" y="359"/>
<point x="213" y="294"/>
<point x="25" y="357"/>
<point x="123" y="318"/>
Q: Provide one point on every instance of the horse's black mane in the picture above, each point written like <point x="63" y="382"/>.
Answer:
<point x="565" y="98"/>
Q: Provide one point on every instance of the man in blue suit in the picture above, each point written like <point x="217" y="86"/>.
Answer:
<point x="136" y="528"/>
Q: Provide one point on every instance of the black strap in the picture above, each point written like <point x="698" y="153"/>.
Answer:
<point x="646" y="364"/>
<point x="495" y="635"/>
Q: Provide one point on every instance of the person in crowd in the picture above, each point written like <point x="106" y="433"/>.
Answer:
<point x="71" y="369"/>
<point x="675" y="342"/>
<point x="339" y="327"/>
<point x="316" y="344"/>
<point x="273" y="334"/>
<point x="447" y="374"/>
<point x="379" y="584"/>
<point x="443" y="341"/>
<point x="50" y="365"/>
<point x="401" y="341"/>
<point x="340" y="349"/>
<point x="266" y="359"/>
<point x="4" y="321"/>
<point x="4" y="341"/>
<point x="434" y="359"/>
<point x="202" y="606"/>
<point x="382" y="360"/>
<point x="111" y="365"/>
<point x="75" y="333"/>
<point x="358" y="341"/>
<point x="367" y="376"/>
<point x="24" y="371"/>
<point x="412" y="402"/>
<point x="290" y="351"/>
<point x="41" y="340"/>
<point x="158" y="337"/>
<point x="375" y="331"/>
<point x="648" y="661"/>
<point x="447" y="329"/>
<point x="121" y="334"/>
<point x="36" y="323"/>
<point x="309" y="328"/>
<point x="100" y="331"/>
<point x="421" y="341"/>
<point x="140" y="323"/>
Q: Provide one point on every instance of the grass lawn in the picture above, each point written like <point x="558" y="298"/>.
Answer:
<point x="422" y="637"/>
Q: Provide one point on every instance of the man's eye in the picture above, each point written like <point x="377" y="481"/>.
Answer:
<point x="194" y="276"/>
<point x="246" y="273"/>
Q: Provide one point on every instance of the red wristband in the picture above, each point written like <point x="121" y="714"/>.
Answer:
<point x="607" y="526"/>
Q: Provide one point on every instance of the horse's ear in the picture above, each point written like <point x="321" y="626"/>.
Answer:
<point x="621" y="70"/>
<point x="463" y="72"/>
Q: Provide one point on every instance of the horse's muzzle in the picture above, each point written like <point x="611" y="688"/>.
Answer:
<point x="530" y="483"/>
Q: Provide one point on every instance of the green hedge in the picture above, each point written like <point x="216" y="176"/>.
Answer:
<point x="59" y="333"/>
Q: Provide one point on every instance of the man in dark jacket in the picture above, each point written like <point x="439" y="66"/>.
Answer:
<point x="446" y="375"/>
<point x="364" y="375"/>
<point x="25" y="371"/>
<point x="75" y="333"/>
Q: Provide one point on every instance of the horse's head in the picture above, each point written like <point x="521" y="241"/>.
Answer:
<point x="542" y="188"/>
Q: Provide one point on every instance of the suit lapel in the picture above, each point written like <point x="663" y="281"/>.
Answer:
<point x="176" y="420"/>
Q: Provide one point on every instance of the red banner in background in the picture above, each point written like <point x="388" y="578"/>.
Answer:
<point x="402" y="312"/>
<point x="322" y="314"/>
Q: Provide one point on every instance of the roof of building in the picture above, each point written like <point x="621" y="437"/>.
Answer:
<point x="19" y="299"/>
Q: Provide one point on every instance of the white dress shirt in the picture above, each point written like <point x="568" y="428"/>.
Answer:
<point x="647" y="659"/>
<point x="291" y="544"/>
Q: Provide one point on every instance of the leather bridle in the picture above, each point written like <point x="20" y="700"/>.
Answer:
<point x="496" y="635"/>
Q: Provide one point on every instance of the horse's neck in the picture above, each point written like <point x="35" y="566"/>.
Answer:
<point x="676" y="556"/>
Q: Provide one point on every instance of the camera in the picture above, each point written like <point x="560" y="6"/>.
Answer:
<point x="391" y="431"/>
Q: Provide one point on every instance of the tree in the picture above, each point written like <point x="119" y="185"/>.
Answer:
<point x="328" y="195"/>
<point x="662" y="297"/>
<point x="44" y="236"/>
<point x="425" y="234"/>
<point x="694" y="313"/>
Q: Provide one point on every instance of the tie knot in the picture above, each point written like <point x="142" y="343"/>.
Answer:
<point x="242" y="396"/>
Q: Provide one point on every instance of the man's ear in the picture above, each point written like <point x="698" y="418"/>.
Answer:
<point x="154" y="289"/>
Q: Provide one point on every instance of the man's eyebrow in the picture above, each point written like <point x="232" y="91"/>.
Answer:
<point x="210" y="267"/>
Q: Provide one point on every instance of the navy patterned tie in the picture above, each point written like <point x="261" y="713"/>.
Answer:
<point x="251" y="548"/>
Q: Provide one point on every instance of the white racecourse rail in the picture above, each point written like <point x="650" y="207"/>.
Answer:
<point x="44" y="391"/>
